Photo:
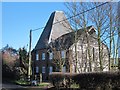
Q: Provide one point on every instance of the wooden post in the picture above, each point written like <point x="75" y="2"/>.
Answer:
<point x="29" y="67"/>
<point x="40" y="77"/>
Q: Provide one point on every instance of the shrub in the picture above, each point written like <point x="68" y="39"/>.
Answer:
<point x="103" y="80"/>
<point x="59" y="79"/>
<point x="98" y="79"/>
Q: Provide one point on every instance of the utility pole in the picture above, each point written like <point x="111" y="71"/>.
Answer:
<point x="29" y="67"/>
<point x="119" y="35"/>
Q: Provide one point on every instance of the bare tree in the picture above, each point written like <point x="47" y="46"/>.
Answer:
<point x="103" y="18"/>
<point x="78" y="22"/>
<point x="59" y="61"/>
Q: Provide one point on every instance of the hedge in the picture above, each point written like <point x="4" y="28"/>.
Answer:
<point x="98" y="79"/>
<point x="104" y="80"/>
<point x="59" y="79"/>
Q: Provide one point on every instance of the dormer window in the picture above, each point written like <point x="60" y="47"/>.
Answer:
<point x="91" y="31"/>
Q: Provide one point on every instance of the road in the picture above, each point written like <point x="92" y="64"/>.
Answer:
<point x="11" y="86"/>
<point x="7" y="86"/>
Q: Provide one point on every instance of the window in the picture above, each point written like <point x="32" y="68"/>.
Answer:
<point x="43" y="56"/>
<point x="50" y="69"/>
<point x="43" y="69"/>
<point x="37" y="56"/>
<point x="73" y="69"/>
<point x="37" y="69"/>
<point x="63" y="54"/>
<point x="64" y="69"/>
<point x="50" y="55"/>
<point x="115" y="62"/>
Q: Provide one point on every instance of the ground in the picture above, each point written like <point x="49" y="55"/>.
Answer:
<point x="10" y="86"/>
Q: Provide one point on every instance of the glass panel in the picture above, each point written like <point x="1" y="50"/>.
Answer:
<point x="37" y="56"/>
<point x="37" y="69"/>
<point x="50" y="56"/>
<point x="43" y="69"/>
<point x="64" y="69"/>
<point x="51" y="69"/>
<point x="63" y="54"/>
<point x="43" y="56"/>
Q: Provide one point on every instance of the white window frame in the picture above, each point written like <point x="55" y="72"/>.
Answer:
<point x="63" y="54"/>
<point x="50" y="69"/>
<point x="50" y="55"/>
<point x="43" y="69"/>
<point x="43" y="56"/>
<point x="37" y="56"/>
<point x="37" y="69"/>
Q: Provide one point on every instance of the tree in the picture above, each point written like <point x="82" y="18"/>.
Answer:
<point x="118" y="35"/>
<point x="59" y="59"/>
<point x="23" y="56"/>
<point x="105" y="20"/>
<point x="101" y="16"/>
<point x="23" y="66"/>
<point x="9" y="58"/>
<point x="77" y="22"/>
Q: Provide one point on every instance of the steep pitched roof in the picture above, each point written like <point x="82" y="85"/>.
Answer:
<point x="53" y="29"/>
<point x="66" y="40"/>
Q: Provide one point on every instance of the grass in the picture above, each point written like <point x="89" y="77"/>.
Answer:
<point x="74" y="85"/>
<point x="22" y="82"/>
<point x="43" y="84"/>
<point x="25" y="83"/>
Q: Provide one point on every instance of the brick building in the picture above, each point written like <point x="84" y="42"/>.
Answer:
<point x="56" y="48"/>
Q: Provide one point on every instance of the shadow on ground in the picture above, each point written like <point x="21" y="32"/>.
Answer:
<point x="52" y="88"/>
<point x="63" y="89"/>
<point x="23" y="89"/>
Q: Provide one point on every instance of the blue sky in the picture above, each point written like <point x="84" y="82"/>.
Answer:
<point x="18" y="18"/>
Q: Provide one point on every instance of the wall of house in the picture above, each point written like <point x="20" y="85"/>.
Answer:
<point x="84" y="59"/>
<point x="39" y="63"/>
<point x="48" y="63"/>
